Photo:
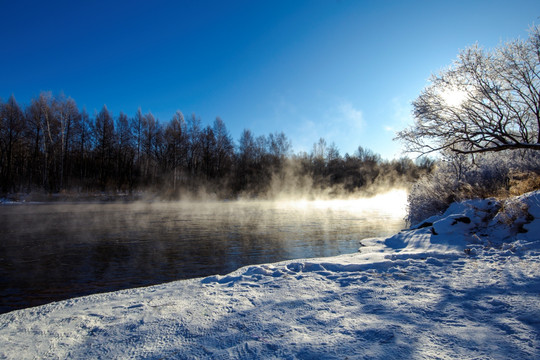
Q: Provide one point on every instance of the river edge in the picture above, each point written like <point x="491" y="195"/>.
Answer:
<point x="450" y="288"/>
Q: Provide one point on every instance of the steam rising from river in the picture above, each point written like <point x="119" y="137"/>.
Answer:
<point x="59" y="250"/>
<point x="392" y="202"/>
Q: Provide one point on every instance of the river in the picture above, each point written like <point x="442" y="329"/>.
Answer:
<point x="55" y="251"/>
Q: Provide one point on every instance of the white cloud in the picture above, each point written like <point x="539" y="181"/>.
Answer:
<point x="350" y="115"/>
<point x="335" y="119"/>
<point x="402" y="112"/>
<point x="399" y="116"/>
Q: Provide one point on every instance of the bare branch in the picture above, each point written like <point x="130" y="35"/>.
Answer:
<point x="498" y="106"/>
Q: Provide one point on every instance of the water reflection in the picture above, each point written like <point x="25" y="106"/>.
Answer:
<point x="50" y="252"/>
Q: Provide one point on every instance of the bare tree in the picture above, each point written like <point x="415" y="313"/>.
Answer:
<point x="208" y="152"/>
<point x="34" y="136"/>
<point x="103" y="130"/>
<point x="176" y="145"/>
<point x="152" y="145"/>
<point x="137" y="126"/>
<point x="246" y="158"/>
<point x="11" y="128"/>
<point x="125" y="152"/>
<point x="224" y="147"/>
<point x="332" y="153"/>
<point x="83" y="145"/>
<point x="67" y="115"/>
<point x="486" y="101"/>
<point x="279" y="146"/>
<point x="194" y="141"/>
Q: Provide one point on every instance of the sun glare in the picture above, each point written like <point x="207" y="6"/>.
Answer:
<point x="453" y="96"/>
<point x="392" y="203"/>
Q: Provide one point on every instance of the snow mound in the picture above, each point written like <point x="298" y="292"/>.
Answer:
<point x="473" y="224"/>
<point x="462" y="285"/>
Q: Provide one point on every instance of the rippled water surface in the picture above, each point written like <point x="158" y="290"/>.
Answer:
<point x="50" y="252"/>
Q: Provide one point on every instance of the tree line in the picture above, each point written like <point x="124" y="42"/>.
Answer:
<point x="52" y="146"/>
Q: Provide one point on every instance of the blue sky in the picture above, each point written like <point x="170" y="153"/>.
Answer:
<point x="343" y="70"/>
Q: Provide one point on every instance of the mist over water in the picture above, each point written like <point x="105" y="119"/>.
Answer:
<point x="56" y="251"/>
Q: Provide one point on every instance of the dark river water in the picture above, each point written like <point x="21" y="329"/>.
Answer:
<point x="50" y="252"/>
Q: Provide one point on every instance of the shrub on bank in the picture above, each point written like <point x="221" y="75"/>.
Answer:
<point x="460" y="178"/>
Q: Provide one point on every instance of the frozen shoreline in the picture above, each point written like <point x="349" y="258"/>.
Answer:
<point x="465" y="284"/>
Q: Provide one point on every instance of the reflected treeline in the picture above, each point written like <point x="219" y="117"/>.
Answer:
<point x="52" y="146"/>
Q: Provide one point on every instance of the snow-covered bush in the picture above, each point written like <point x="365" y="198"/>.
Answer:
<point x="459" y="178"/>
<point x="431" y="194"/>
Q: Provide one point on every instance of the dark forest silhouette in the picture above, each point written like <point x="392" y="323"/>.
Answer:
<point x="51" y="146"/>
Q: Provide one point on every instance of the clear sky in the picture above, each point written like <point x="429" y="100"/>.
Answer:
<point x="344" y="70"/>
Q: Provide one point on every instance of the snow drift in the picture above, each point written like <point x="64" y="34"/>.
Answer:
<point x="464" y="284"/>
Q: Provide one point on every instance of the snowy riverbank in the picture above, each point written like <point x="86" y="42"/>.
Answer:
<point x="464" y="285"/>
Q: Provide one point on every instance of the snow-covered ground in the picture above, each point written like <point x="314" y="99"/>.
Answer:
<point x="463" y="285"/>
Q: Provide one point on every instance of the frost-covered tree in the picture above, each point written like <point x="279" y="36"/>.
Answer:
<point x="486" y="101"/>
